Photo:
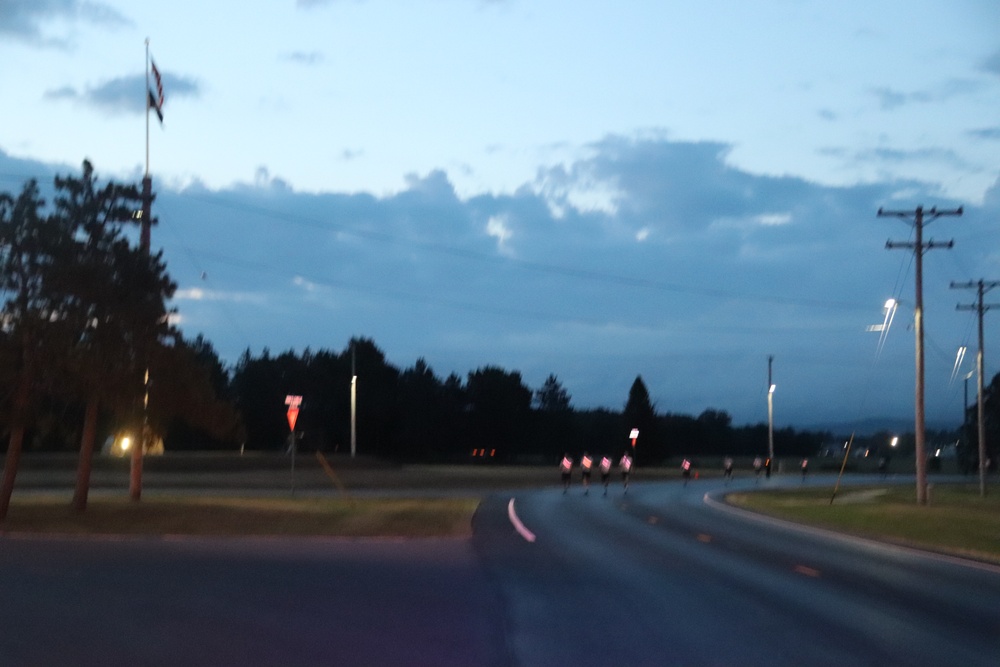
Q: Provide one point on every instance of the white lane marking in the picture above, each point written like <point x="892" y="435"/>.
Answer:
<point x="518" y="526"/>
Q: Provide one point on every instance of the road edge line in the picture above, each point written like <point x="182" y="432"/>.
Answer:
<point x="516" y="522"/>
<point x="723" y="506"/>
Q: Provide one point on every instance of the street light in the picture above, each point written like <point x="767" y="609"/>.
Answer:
<point x="770" y="422"/>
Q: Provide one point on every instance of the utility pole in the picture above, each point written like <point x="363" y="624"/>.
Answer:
<point x="920" y="218"/>
<point x="981" y="288"/>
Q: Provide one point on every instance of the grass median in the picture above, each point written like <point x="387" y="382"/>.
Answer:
<point x="957" y="520"/>
<point x="166" y="515"/>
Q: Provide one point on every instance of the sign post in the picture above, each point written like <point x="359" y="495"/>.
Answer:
<point x="634" y="435"/>
<point x="293" y="403"/>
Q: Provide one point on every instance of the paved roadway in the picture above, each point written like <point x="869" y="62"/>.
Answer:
<point x="657" y="577"/>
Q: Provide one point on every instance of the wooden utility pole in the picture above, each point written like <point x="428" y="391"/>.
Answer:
<point x="981" y="288"/>
<point x="920" y="218"/>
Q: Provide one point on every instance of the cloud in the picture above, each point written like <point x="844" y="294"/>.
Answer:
<point x="988" y="133"/>
<point x="697" y="273"/>
<point x="34" y="21"/>
<point x="304" y="57"/>
<point x="773" y="219"/>
<point x="202" y="294"/>
<point x="262" y="180"/>
<point x="992" y="64"/>
<point x="125" y="94"/>
<point x="499" y="228"/>
<point x="945" y="155"/>
<point x="890" y="99"/>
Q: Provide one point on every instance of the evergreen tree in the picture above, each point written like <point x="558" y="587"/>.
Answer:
<point x="639" y="413"/>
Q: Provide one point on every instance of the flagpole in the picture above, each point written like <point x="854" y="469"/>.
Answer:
<point x="135" y="470"/>
<point x="146" y="97"/>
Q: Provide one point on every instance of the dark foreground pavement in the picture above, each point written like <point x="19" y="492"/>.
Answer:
<point x="245" y="602"/>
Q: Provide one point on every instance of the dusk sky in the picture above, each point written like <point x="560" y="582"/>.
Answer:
<point x="594" y="189"/>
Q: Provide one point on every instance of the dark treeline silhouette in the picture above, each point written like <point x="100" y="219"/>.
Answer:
<point x="489" y="416"/>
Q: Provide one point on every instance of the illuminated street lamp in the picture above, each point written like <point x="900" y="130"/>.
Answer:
<point x="770" y="411"/>
<point x="770" y="421"/>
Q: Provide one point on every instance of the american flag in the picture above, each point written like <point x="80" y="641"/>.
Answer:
<point x="156" y="101"/>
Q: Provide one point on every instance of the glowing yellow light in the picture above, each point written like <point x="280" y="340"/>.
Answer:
<point x="126" y="442"/>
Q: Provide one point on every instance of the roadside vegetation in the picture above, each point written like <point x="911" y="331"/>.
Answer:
<point x="958" y="520"/>
<point x="248" y="517"/>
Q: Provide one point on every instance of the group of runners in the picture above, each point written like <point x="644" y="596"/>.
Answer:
<point x="625" y="466"/>
<point x="586" y="467"/>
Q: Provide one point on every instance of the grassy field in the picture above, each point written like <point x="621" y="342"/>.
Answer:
<point x="958" y="520"/>
<point x="166" y="515"/>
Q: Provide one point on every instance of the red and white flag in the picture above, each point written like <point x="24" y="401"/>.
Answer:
<point x="155" y="101"/>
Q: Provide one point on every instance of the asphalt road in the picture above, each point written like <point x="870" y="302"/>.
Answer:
<point x="657" y="577"/>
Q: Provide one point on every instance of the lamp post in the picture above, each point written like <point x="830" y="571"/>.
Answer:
<point x="354" y="405"/>
<point x="770" y="411"/>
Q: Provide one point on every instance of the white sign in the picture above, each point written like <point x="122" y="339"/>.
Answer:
<point x="294" y="401"/>
<point x="634" y="434"/>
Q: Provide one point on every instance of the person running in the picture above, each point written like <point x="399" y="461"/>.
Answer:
<point x="757" y="464"/>
<point x="626" y="465"/>
<point x="727" y="468"/>
<point x="686" y="470"/>
<point x="805" y="468"/>
<point x="605" y="472"/>
<point x="566" y="469"/>
<point x="586" y="463"/>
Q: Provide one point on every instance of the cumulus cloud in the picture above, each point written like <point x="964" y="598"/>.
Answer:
<point x="38" y="22"/>
<point x="125" y="94"/>
<point x="699" y="271"/>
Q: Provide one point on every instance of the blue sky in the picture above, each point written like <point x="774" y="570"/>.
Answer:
<point x="591" y="189"/>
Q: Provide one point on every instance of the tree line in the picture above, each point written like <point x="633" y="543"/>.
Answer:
<point x="490" y="415"/>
